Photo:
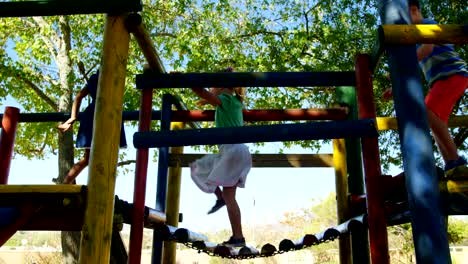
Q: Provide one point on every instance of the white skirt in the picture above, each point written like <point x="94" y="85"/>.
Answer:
<point x="228" y="168"/>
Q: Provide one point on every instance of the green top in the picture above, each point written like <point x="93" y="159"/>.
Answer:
<point x="229" y="113"/>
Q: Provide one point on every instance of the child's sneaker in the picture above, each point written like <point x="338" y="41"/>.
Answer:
<point x="455" y="163"/>
<point x="234" y="242"/>
<point x="217" y="206"/>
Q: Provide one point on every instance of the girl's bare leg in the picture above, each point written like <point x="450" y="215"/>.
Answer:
<point x="77" y="168"/>
<point x="229" y="196"/>
<point x="442" y="136"/>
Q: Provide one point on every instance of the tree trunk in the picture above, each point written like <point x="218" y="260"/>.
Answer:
<point x="70" y="240"/>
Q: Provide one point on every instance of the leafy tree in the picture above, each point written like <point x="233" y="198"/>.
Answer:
<point x="44" y="61"/>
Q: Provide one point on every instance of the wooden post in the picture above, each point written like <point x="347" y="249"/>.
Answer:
<point x="97" y="228"/>
<point x="135" y="25"/>
<point x="173" y="198"/>
<point x="341" y="181"/>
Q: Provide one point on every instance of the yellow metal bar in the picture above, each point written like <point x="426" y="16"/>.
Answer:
<point x="390" y="123"/>
<point x="97" y="228"/>
<point x="424" y="34"/>
<point x="341" y="182"/>
<point x="457" y="186"/>
<point x="173" y="198"/>
<point x="54" y="188"/>
<point x="386" y="123"/>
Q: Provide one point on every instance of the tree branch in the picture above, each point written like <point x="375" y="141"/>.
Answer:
<point x="125" y="162"/>
<point x="165" y="34"/>
<point x="38" y="91"/>
<point x="54" y="40"/>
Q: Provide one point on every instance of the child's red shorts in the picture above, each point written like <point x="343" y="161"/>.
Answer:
<point x="444" y="94"/>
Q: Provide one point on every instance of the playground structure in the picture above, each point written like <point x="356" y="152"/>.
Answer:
<point x="96" y="203"/>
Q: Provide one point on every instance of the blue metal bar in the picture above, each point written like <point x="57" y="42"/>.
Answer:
<point x="163" y="167"/>
<point x="249" y="134"/>
<point x="150" y="80"/>
<point x="429" y="234"/>
<point x="67" y="7"/>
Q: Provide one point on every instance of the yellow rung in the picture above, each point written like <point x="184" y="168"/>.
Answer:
<point x="53" y="188"/>
<point x="390" y="123"/>
<point x="423" y="34"/>
<point x="457" y="186"/>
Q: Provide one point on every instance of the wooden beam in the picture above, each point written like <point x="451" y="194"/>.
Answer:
<point x="266" y="160"/>
<point x="41" y="189"/>
<point x="135" y="26"/>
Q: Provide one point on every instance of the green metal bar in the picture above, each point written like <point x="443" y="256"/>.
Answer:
<point x="346" y="96"/>
<point x="67" y="7"/>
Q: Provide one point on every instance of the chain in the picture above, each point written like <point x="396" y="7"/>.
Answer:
<point x="252" y="256"/>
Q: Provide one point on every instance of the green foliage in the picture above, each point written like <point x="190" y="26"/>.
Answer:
<point x="199" y="36"/>
<point x="457" y="231"/>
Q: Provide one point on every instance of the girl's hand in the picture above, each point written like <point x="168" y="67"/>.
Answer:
<point x="387" y="94"/>
<point x="66" y="126"/>
<point x="202" y="102"/>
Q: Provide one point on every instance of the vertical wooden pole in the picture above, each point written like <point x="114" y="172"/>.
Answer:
<point x="97" y="228"/>
<point x="173" y="199"/>
<point x="378" y="237"/>
<point x="341" y="182"/>
<point x="7" y="140"/>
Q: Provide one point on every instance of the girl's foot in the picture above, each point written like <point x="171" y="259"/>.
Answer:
<point x="234" y="242"/>
<point x="452" y="164"/>
<point x="217" y="206"/>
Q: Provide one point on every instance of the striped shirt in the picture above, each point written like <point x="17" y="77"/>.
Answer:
<point x="442" y="62"/>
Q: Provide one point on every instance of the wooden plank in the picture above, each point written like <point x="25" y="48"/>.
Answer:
<point x="56" y="189"/>
<point x="266" y="160"/>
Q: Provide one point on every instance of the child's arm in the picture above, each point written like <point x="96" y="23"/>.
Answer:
<point x="75" y="108"/>
<point x="209" y="97"/>
<point x="424" y="51"/>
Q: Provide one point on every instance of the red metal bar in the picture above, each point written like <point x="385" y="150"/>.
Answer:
<point x="141" y="170"/>
<point x="339" y="113"/>
<point x="370" y="151"/>
<point x="26" y="212"/>
<point x="7" y="140"/>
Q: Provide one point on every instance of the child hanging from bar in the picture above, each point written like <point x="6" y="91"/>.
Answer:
<point x="447" y="75"/>
<point x="230" y="167"/>
<point x="85" y="131"/>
